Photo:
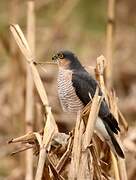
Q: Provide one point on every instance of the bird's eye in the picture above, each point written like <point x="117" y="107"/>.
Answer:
<point x="60" y="55"/>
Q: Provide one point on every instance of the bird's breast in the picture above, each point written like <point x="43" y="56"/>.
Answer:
<point x="67" y="95"/>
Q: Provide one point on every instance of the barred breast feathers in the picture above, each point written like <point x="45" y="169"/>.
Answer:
<point x="67" y="95"/>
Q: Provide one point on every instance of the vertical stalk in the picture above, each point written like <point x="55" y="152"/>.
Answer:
<point x="30" y="86"/>
<point x="119" y="163"/>
<point x="110" y="42"/>
<point x="14" y="63"/>
<point x="16" y="75"/>
<point x="122" y="169"/>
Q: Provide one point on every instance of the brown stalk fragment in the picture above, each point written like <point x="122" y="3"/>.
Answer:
<point x="76" y="150"/>
<point x="91" y="120"/>
<point x="65" y="156"/>
<point x="96" y="161"/>
<point x="118" y="163"/>
<point x="29" y="137"/>
<point x="123" y="120"/>
<point x="21" y="150"/>
<point x="99" y="72"/>
<point x="86" y="170"/>
<point x="110" y="42"/>
<point x="29" y="99"/>
<point x="56" y="174"/>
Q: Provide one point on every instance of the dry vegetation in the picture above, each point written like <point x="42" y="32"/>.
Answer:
<point x="46" y="147"/>
<point x="85" y="161"/>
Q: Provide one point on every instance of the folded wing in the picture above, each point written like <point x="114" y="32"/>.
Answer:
<point x="85" y="84"/>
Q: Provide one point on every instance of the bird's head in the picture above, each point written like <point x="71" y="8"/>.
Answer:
<point x="67" y="60"/>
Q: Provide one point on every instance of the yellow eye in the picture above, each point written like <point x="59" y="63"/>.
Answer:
<point x="60" y="55"/>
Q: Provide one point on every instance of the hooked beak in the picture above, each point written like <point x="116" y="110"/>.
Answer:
<point x="55" y="59"/>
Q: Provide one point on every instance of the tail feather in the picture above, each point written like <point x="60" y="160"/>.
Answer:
<point x="116" y="146"/>
<point x="112" y="123"/>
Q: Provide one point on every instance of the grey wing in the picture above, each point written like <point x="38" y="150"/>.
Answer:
<point x="85" y="84"/>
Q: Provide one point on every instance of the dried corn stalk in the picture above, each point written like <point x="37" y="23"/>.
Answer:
<point x="50" y="125"/>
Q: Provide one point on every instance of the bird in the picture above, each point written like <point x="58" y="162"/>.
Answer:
<point x="75" y="85"/>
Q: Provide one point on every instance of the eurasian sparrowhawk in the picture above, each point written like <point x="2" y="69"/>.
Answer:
<point x="74" y="86"/>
